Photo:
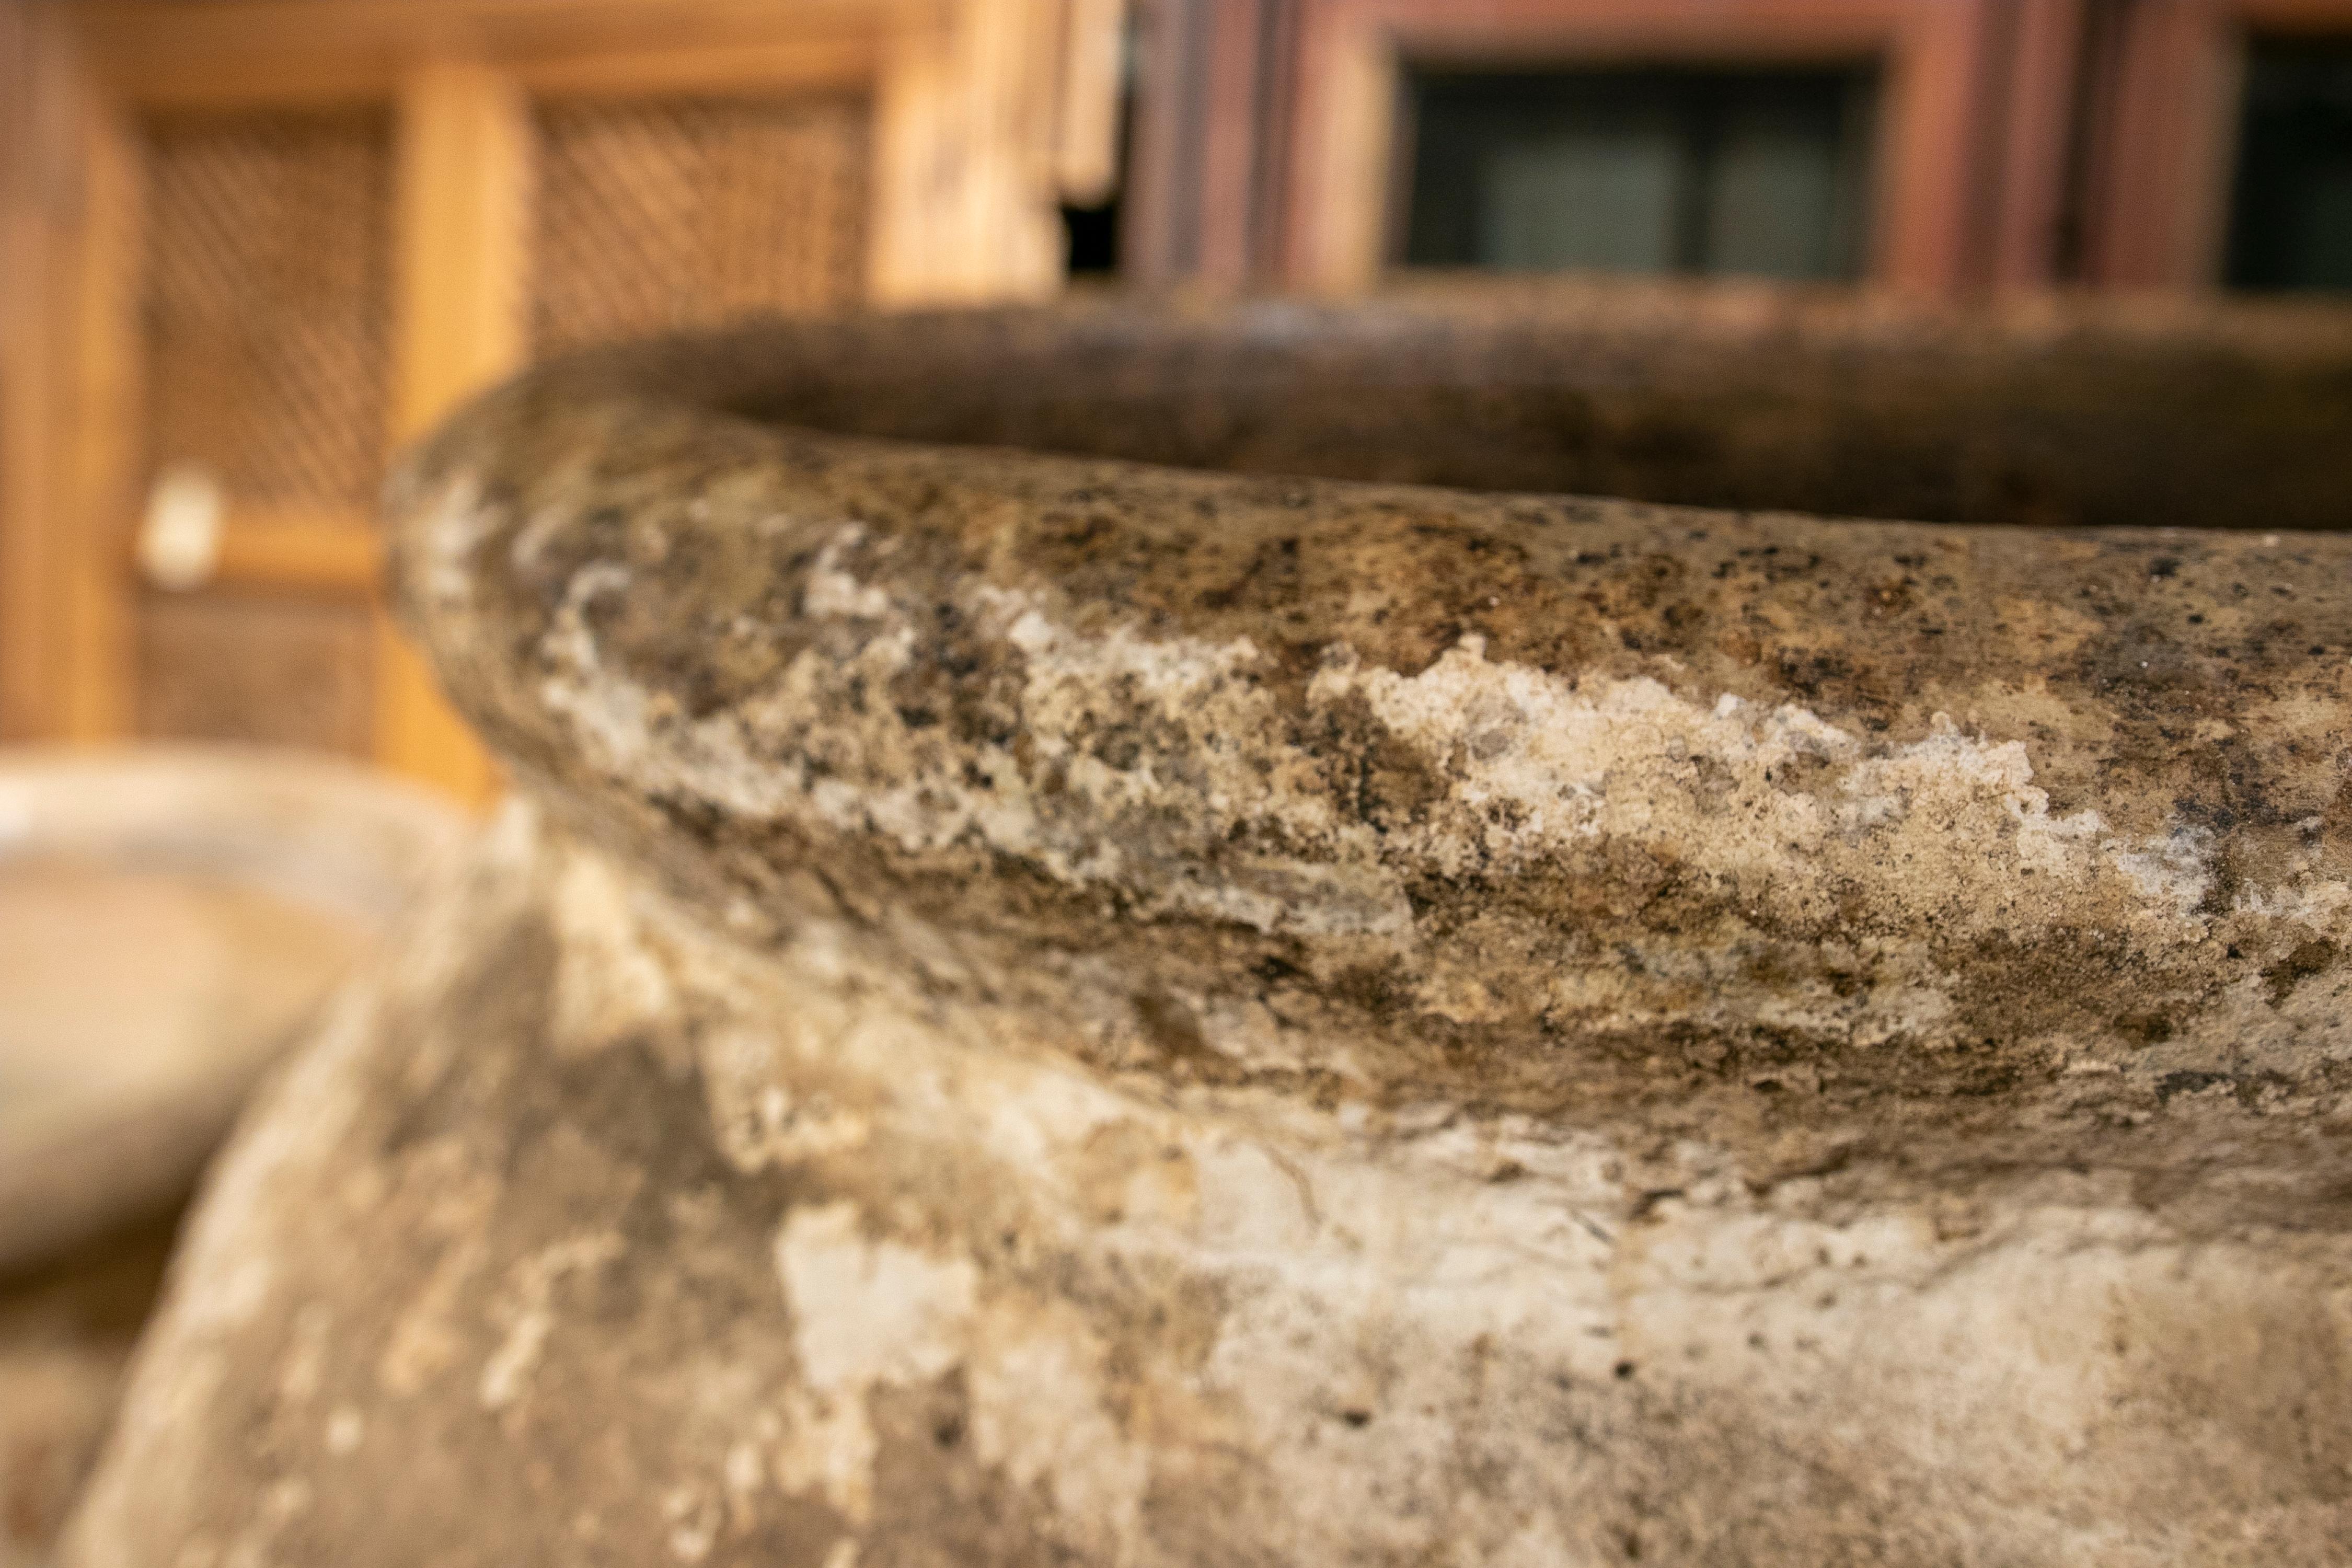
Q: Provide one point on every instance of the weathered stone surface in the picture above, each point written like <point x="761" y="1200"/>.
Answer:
<point x="66" y="1326"/>
<point x="1040" y="1009"/>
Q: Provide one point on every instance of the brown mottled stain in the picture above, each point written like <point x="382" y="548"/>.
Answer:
<point x="2307" y="959"/>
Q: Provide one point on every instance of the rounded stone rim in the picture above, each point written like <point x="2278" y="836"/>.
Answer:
<point x="1208" y="766"/>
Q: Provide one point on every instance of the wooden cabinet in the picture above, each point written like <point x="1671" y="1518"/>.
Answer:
<point x="251" y="245"/>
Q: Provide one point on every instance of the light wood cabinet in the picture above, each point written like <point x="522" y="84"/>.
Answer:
<point x="249" y="246"/>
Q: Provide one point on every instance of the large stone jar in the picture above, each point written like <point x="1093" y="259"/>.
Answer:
<point x="1041" y="1008"/>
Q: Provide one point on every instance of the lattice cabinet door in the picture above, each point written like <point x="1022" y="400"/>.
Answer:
<point x="663" y="214"/>
<point x="254" y="245"/>
<point x="263" y="313"/>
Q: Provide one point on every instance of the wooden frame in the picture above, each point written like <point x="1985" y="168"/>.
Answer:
<point x="2035" y="110"/>
<point x="2159" y="191"/>
<point x="974" y="120"/>
<point x="1282" y="159"/>
<point x="1352" y="54"/>
<point x="68" y="204"/>
<point x="28" y="641"/>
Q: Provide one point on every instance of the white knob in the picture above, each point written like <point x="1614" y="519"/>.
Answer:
<point x="180" y="537"/>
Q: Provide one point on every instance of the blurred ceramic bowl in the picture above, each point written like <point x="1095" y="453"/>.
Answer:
<point x="169" y="918"/>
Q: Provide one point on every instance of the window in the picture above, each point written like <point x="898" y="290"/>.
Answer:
<point x="1761" y="172"/>
<point x="2291" y="223"/>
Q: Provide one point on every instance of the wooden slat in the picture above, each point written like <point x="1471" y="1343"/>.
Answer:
<point x="465" y="172"/>
<point x="1231" y="118"/>
<point x="1086" y="136"/>
<point x="463" y="195"/>
<point x="283" y="52"/>
<point x="1931" y="180"/>
<point x="2158" y="221"/>
<point x="68" y="387"/>
<point x="343" y="80"/>
<point x="29" y="644"/>
<point x="1641" y="31"/>
<point x="320" y="553"/>
<point x="105" y="412"/>
<point x="1340" y="236"/>
<point x="2321" y="18"/>
<point x="1163" y="180"/>
<point x="964" y="206"/>
<point x="785" y="65"/>
<point x="913" y="188"/>
<point x="2031" y="194"/>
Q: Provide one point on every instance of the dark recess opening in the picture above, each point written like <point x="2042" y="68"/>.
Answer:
<point x="2291" y="208"/>
<point x="1093" y="238"/>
